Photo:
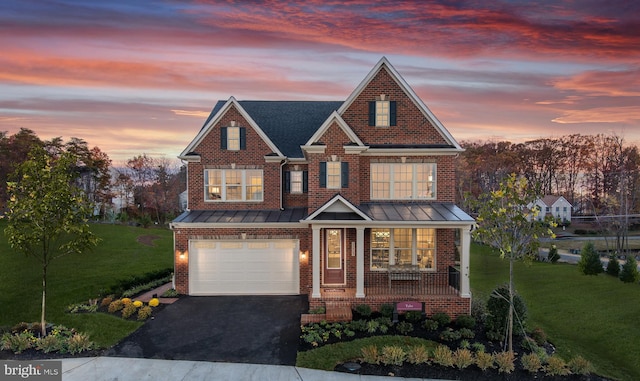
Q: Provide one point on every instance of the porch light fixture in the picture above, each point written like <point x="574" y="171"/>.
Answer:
<point x="303" y="255"/>
<point x="181" y="254"/>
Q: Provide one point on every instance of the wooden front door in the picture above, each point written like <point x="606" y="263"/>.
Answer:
<point x="334" y="256"/>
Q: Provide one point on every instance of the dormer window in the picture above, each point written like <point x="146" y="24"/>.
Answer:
<point x="382" y="112"/>
<point x="233" y="138"/>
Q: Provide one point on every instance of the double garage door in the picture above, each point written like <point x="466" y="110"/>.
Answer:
<point x="244" y="267"/>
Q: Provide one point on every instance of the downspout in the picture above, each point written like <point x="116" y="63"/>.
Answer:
<point x="282" y="164"/>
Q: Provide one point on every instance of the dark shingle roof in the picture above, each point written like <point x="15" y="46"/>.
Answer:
<point x="288" y="124"/>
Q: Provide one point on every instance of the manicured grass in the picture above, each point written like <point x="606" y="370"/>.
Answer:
<point x="594" y="316"/>
<point x="328" y="356"/>
<point x="77" y="278"/>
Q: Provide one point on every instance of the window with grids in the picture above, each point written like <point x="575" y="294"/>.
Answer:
<point x="233" y="138"/>
<point x="403" y="247"/>
<point x="334" y="174"/>
<point x="233" y="185"/>
<point x="296" y="182"/>
<point x="382" y="113"/>
<point x="403" y="181"/>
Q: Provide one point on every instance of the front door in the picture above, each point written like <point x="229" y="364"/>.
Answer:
<point x="334" y="256"/>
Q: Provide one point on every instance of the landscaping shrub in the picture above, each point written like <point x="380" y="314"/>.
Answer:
<point x="18" y="342"/>
<point x="115" y="306"/>
<point x="450" y="335"/>
<point x="372" y="326"/>
<point x="556" y="366"/>
<point x="392" y="355"/>
<point x="498" y="312"/>
<point x="442" y="355"/>
<point x="413" y="316"/>
<point x="613" y="267"/>
<point x="578" y="365"/>
<point x="442" y="318"/>
<point x="531" y="362"/>
<point x="465" y="321"/>
<point x="154" y="302"/>
<point x="484" y="360"/>
<point x="129" y="310"/>
<point x="386" y="310"/>
<point x="462" y="358"/>
<point x="418" y="354"/>
<point x="363" y="310"/>
<point x="479" y="310"/>
<point x="358" y="325"/>
<point x="553" y="255"/>
<point x="539" y="336"/>
<point x="629" y="272"/>
<point x="370" y="354"/>
<point x="589" y="263"/>
<point x="318" y="310"/>
<point x="430" y="325"/>
<point x="79" y="342"/>
<point x="505" y="361"/>
<point x="404" y="327"/>
<point x="478" y="347"/>
<point x="466" y="333"/>
<point x="465" y="344"/>
<point x="138" y="303"/>
<point x="49" y="343"/>
<point x="106" y="301"/>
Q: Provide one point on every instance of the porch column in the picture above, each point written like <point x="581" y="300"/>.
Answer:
<point x="359" y="262"/>
<point x="315" y="257"/>
<point x="465" y="243"/>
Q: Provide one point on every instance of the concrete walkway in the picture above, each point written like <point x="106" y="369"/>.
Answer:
<point x="128" y="369"/>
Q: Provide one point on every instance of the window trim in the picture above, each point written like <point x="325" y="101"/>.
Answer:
<point x="244" y="185"/>
<point x="431" y="185"/>
<point x="296" y="185"/>
<point x="324" y="174"/>
<point x="414" y="248"/>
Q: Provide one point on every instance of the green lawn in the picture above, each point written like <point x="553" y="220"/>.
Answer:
<point x="77" y="278"/>
<point x="594" y="316"/>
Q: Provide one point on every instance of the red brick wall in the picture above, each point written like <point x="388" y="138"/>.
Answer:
<point x="412" y="126"/>
<point x="252" y="157"/>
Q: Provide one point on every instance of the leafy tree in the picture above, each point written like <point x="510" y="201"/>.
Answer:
<point x="47" y="214"/>
<point x="589" y="263"/>
<point x="613" y="267"/>
<point x="506" y="223"/>
<point x="629" y="272"/>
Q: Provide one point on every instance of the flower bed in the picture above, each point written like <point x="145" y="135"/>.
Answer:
<point x="27" y="339"/>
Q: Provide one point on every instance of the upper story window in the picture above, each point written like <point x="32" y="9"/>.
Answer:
<point x="296" y="181"/>
<point x="382" y="112"/>
<point x="403" y="181"/>
<point x="334" y="174"/>
<point x="233" y="185"/>
<point x="233" y="138"/>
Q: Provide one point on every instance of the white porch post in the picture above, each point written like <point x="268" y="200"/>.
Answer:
<point x="360" y="262"/>
<point x="465" y="243"/>
<point x="315" y="255"/>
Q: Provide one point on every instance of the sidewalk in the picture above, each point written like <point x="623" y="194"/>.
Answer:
<point x="128" y="369"/>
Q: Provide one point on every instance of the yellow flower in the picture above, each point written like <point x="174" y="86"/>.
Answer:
<point x="137" y="303"/>
<point x="154" y="302"/>
<point x="126" y="301"/>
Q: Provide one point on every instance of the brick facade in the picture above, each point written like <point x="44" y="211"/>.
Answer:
<point x="413" y="126"/>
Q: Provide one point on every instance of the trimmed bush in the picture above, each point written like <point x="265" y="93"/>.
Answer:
<point x="386" y="310"/>
<point x="589" y="263"/>
<point x="144" y="313"/>
<point x="629" y="272"/>
<point x="498" y="312"/>
<point x="465" y="321"/>
<point x="413" y="316"/>
<point x="442" y="318"/>
<point x="115" y="306"/>
<point x="404" y="327"/>
<point x="363" y="310"/>
<point x="613" y="267"/>
<point x="129" y="310"/>
<point x="430" y="325"/>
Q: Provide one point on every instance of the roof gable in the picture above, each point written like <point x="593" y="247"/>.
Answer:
<point x="213" y="120"/>
<point x="334" y="117"/>
<point x="338" y="205"/>
<point x="384" y="64"/>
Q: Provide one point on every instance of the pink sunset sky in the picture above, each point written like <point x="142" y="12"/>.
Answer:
<point x="135" y="77"/>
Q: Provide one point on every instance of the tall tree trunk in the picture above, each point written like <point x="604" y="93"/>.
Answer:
<point x="43" y="326"/>
<point x="511" y="303"/>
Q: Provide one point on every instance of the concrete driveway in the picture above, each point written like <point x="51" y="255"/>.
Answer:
<point x="239" y="329"/>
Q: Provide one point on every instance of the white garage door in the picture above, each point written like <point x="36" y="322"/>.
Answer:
<point x="248" y="267"/>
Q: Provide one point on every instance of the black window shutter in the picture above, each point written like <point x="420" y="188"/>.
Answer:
<point x="305" y="181"/>
<point x="392" y="113"/>
<point x="243" y="138"/>
<point x="344" y="175"/>
<point x="372" y="113"/>
<point x="223" y="138"/>
<point x="287" y="181"/>
<point x="323" y="174"/>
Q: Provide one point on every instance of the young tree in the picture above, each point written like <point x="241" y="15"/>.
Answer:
<point x="613" y="267"/>
<point x="589" y="263"/>
<point x="47" y="214"/>
<point x="506" y="223"/>
<point x="629" y="272"/>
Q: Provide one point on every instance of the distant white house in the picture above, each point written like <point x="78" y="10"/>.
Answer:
<point x="556" y="206"/>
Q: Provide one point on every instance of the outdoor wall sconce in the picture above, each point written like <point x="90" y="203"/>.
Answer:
<point x="181" y="254"/>
<point x="303" y="255"/>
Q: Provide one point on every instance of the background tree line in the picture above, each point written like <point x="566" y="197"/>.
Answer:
<point x="142" y="189"/>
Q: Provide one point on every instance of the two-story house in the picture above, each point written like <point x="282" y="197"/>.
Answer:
<point x="555" y="206"/>
<point x="349" y="201"/>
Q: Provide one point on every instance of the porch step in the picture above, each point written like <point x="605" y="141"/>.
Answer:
<point x="338" y="312"/>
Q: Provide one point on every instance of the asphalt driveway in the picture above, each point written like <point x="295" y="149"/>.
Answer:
<point x="240" y="329"/>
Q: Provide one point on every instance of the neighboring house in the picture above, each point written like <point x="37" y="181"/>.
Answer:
<point x="555" y="206"/>
<point x="349" y="202"/>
